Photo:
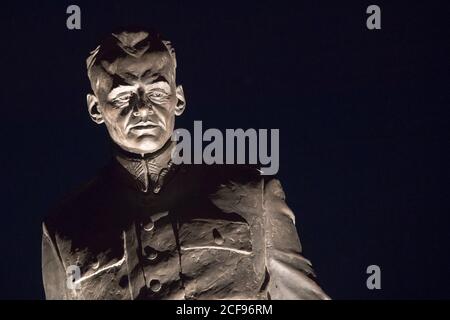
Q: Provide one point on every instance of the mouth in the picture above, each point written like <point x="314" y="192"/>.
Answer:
<point x="143" y="126"/>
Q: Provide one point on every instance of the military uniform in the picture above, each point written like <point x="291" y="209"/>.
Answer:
<point x="142" y="230"/>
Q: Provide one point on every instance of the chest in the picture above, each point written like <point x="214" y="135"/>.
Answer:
<point x="194" y="250"/>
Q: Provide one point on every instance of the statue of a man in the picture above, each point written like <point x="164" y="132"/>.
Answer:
<point x="146" y="228"/>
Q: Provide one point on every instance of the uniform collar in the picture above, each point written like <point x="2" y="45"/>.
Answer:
<point x="148" y="170"/>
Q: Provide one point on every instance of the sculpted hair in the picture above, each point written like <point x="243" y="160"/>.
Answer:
<point x="133" y="42"/>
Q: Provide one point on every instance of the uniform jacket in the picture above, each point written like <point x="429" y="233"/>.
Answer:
<point x="182" y="232"/>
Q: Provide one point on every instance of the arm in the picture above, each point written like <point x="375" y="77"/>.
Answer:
<point x="53" y="272"/>
<point x="290" y="274"/>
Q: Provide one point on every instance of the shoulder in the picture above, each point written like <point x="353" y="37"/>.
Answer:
<point x="244" y="186"/>
<point x="246" y="177"/>
<point x="74" y="208"/>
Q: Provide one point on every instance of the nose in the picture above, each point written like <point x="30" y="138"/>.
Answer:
<point x="143" y="111"/>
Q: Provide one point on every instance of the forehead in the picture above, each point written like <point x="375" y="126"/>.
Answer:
<point x="148" y="68"/>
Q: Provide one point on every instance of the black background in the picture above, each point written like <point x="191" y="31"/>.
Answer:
<point x="363" y="118"/>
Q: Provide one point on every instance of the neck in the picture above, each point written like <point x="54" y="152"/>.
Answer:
<point x="148" y="169"/>
<point x="164" y="150"/>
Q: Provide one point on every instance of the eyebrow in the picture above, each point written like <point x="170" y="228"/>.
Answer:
<point x="158" y="85"/>
<point x="155" y="78"/>
<point x="120" y="89"/>
<point x="126" y="79"/>
<point x="122" y="81"/>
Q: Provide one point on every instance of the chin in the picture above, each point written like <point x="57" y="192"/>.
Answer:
<point x="147" y="146"/>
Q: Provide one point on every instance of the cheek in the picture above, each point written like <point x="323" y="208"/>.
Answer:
<point x="115" y="118"/>
<point x="167" y="111"/>
<point x="167" y="117"/>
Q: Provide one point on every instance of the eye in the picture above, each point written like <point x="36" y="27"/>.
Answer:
<point x="122" y="100"/>
<point x="157" y="95"/>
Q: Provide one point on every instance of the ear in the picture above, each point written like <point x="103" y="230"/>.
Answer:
<point x="181" y="104"/>
<point x="94" y="112"/>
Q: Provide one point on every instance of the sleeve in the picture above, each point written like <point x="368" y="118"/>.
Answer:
<point x="290" y="274"/>
<point x="53" y="272"/>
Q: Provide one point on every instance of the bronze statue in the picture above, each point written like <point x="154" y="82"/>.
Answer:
<point x="146" y="228"/>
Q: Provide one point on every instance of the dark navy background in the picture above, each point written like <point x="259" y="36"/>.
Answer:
<point x="363" y="118"/>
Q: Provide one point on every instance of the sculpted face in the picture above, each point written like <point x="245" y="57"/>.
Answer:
<point x="138" y="101"/>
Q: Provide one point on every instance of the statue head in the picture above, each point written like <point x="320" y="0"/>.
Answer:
<point x="134" y="91"/>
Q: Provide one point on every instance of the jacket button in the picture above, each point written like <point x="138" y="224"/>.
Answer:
<point x="150" y="253"/>
<point x="123" y="282"/>
<point x="95" y="264"/>
<point x="218" y="239"/>
<point x="154" y="285"/>
<point x="149" y="225"/>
